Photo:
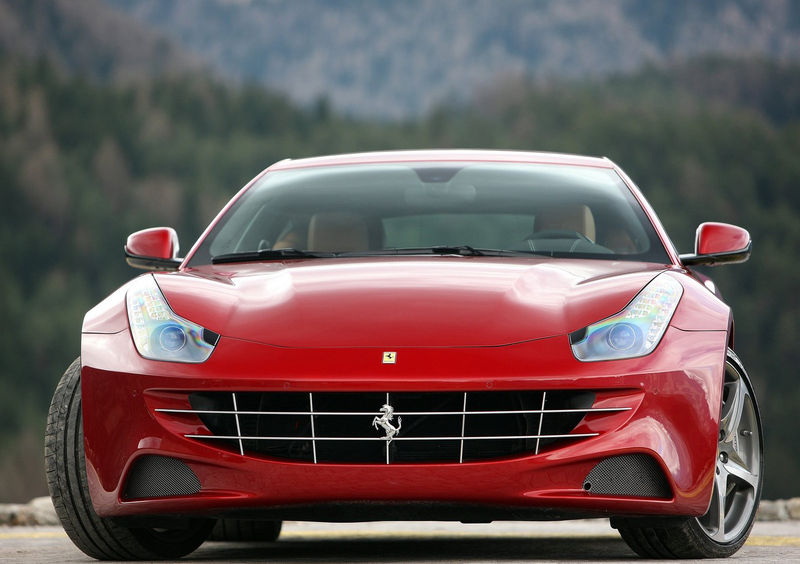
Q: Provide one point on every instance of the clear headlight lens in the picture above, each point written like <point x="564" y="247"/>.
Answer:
<point x="636" y="330"/>
<point x="160" y="334"/>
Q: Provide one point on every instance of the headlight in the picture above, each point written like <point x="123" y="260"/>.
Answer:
<point x="158" y="333"/>
<point x="636" y="330"/>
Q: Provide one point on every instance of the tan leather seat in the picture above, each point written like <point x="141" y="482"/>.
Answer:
<point x="337" y="231"/>
<point x="574" y="217"/>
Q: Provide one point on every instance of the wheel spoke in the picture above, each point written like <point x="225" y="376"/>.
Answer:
<point x="741" y="473"/>
<point x="721" y="487"/>
<point x="734" y="407"/>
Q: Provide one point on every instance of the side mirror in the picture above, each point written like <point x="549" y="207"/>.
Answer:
<point x="153" y="249"/>
<point x="719" y="243"/>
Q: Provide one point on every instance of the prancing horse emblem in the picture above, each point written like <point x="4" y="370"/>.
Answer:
<point x="385" y="422"/>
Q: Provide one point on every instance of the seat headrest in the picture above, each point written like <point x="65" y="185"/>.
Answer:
<point x="337" y="231"/>
<point x="575" y="217"/>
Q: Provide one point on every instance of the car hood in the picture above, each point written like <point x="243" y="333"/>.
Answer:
<point x="403" y="301"/>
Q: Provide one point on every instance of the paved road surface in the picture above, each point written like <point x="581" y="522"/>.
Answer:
<point x="417" y="543"/>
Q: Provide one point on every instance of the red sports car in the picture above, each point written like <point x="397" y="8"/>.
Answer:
<point x="434" y="335"/>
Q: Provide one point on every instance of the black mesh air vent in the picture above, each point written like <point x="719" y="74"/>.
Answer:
<point x="635" y="475"/>
<point x="160" y="476"/>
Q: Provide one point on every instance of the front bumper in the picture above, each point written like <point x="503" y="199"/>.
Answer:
<point x="674" y="421"/>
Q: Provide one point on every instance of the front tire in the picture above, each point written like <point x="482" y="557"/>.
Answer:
<point x="737" y="484"/>
<point x="65" y="463"/>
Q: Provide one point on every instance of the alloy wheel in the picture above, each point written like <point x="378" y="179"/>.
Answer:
<point x="738" y="465"/>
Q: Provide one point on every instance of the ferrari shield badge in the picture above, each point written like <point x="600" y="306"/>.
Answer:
<point x="389" y="357"/>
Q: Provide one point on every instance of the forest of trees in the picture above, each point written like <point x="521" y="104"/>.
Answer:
<point x="82" y="165"/>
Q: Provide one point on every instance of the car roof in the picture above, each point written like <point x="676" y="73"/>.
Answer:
<point x="445" y="155"/>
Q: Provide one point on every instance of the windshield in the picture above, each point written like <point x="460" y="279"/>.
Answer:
<point x="376" y="209"/>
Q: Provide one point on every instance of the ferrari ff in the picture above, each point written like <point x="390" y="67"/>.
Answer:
<point x="423" y="335"/>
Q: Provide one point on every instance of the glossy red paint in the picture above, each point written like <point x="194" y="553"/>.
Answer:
<point x="707" y="312"/>
<point x="109" y="316"/>
<point x="323" y="303"/>
<point x="457" y="324"/>
<point x="675" y="421"/>
<point x="715" y="238"/>
<point x="156" y="242"/>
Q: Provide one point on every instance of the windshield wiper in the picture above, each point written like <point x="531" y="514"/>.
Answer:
<point x="268" y="254"/>
<point x="462" y="250"/>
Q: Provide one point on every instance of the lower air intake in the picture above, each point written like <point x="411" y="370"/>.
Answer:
<point x="160" y="476"/>
<point x="636" y="475"/>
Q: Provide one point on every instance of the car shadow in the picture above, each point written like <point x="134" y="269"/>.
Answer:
<point x="454" y="549"/>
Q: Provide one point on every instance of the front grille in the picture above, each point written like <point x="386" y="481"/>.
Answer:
<point x="346" y="427"/>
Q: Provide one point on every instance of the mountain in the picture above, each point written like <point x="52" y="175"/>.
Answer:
<point x="88" y="37"/>
<point x="399" y="58"/>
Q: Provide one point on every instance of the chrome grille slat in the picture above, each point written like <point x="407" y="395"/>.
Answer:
<point x="463" y="425"/>
<point x="425" y="427"/>
<point x="238" y="427"/>
<point x="541" y="419"/>
<point x="387" y="446"/>
<point x="313" y="434"/>
<point x="400" y="413"/>
<point x="317" y="439"/>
